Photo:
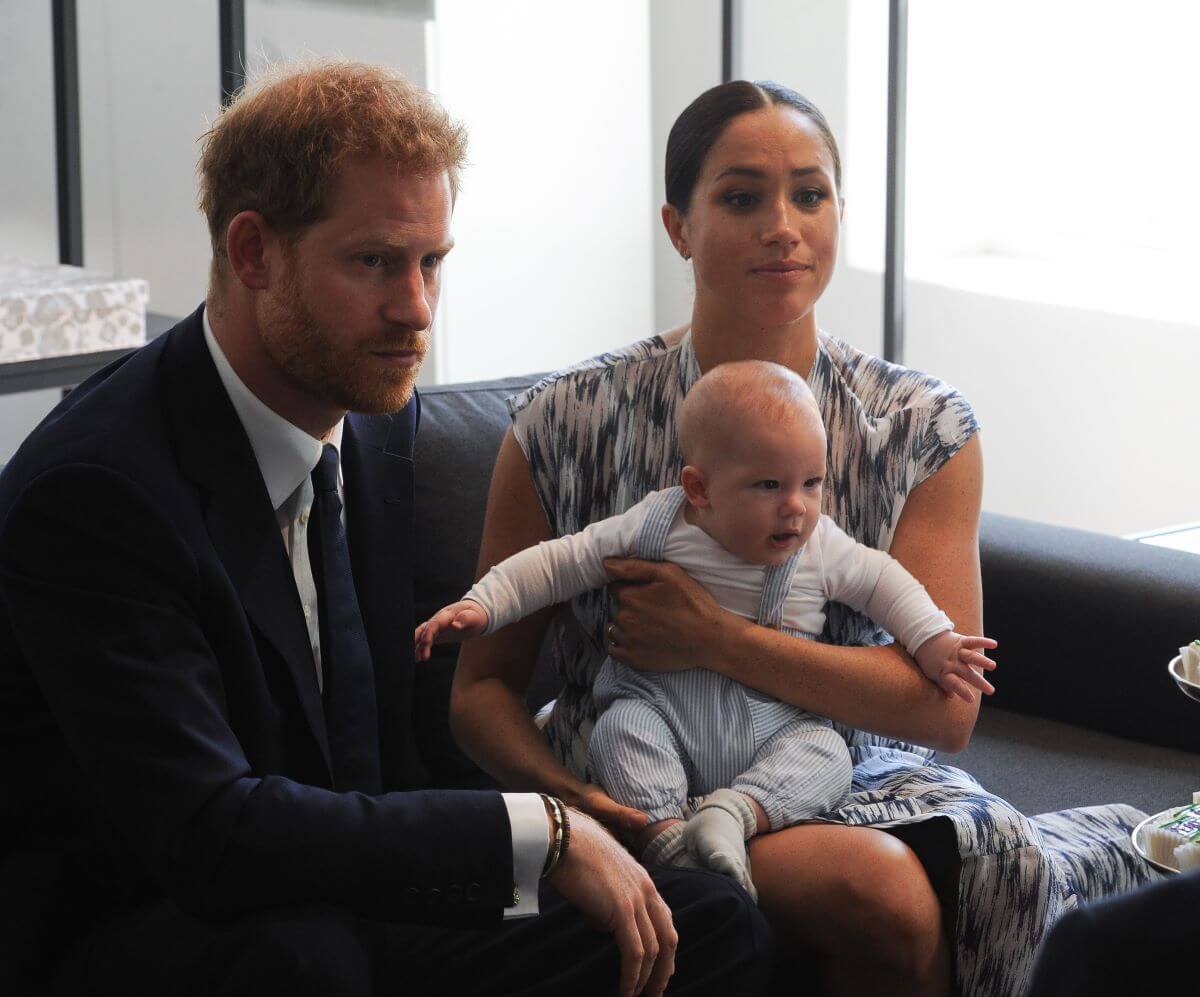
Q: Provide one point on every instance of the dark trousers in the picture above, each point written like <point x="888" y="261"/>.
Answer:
<point x="1130" y="944"/>
<point x="725" y="948"/>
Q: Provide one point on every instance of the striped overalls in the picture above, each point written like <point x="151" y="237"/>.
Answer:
<point x="664" y="736"/>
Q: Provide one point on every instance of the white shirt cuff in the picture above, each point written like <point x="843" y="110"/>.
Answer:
<point x="530" y="845"/>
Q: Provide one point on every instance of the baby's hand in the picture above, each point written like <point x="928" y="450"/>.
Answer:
<point x="955" y="663"/>
<point x="458" y="621"/>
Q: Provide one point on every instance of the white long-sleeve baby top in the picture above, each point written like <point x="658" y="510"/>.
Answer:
<point x="832" y="565"/>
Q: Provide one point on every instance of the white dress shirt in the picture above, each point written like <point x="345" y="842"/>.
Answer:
<point x="286" y="456"/>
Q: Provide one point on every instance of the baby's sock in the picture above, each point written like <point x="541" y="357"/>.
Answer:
<point x="717" y="833"/>
<point x="669" y="848"/>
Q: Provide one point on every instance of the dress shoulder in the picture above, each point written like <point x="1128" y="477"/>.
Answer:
<point x="934" y="418"/>
<point x="597" y="435"/>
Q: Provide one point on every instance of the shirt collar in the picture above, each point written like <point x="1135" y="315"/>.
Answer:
<point x="285" y="453"/>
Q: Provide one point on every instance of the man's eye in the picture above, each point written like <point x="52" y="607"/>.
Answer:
<point x="770" y="484"/>
<point x="372" y="260"/>
<point x="431" y="262"/>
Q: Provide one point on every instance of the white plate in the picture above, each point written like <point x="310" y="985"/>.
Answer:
<point x="1139" y="834"/>
<point x="1175" y="669"/>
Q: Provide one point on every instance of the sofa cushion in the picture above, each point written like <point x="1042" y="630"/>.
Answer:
<point x="1043" y="765"/>
<point x="1087" y="624"/>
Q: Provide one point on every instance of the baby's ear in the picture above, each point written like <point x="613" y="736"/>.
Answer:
<point x="695" y="486"/>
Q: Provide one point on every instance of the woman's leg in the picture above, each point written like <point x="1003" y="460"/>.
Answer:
<point x="857" y="899"/>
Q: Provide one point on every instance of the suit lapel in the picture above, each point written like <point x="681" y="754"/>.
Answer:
<point x="214" y="452"/>
<point x="377" y="469"/>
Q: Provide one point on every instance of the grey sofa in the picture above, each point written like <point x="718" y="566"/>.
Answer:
<point x="1084" y="712"/>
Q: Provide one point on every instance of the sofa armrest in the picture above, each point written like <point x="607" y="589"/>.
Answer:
<point x="1086" y="624"/>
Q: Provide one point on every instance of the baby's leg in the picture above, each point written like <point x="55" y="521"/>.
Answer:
<point x="799" y="772"/>
<point x="638" y="761"/>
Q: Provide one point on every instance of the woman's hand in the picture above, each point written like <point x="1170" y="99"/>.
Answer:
<point x="664" y="620"/>
<point x="458" y="621"/>
<point x="623" y="821"/>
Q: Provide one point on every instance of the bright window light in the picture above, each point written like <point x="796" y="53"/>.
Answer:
<point x="1053" y="149"/>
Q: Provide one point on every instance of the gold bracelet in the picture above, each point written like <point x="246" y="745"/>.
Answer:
<point x="557" y="814"/>
<point x="566" y="837"/>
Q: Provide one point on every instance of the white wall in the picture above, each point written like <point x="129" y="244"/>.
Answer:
<point x="1089" y="419"/>
<point x="28" y="214"/>
<point x="28" y="218"/>
<point x="149" y="83"/>
<point x="553" y="259"/>
<point x="148" y="80"/>
<point x="685" y="60"/>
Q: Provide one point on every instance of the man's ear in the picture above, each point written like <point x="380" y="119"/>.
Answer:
<point x="695" y="486"/>
<point x="676" y="228"/>
<point x="249" y="244"/>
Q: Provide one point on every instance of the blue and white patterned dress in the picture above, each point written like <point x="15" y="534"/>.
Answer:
<point x="601" y="435"/>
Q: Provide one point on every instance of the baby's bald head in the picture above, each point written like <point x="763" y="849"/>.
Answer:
<point x="728" y="402"/>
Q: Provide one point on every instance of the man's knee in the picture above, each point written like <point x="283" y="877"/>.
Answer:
<point x="302" y="952"/>
<point x="721" y="930"/>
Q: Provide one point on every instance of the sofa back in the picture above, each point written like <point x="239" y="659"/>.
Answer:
<point x="457" y="441"/>
<point x="1086" y="622"/>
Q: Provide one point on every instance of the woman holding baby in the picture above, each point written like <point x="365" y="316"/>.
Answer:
<point x="921" y="881"/>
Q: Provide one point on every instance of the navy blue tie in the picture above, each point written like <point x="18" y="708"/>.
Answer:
<point x="350" y="713"/>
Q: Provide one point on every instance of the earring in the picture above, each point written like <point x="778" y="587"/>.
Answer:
<point x="685" y="254"/>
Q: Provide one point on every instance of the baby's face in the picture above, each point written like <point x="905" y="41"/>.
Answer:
<point x="765" y="489"/>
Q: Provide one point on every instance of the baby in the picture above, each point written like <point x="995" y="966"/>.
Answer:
<point x="745" y="521"/>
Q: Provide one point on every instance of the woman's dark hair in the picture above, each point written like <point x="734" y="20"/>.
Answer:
<point x="697" y="129"/>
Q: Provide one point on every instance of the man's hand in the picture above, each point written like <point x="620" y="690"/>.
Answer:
<point x="663" y="619"/>
<point x="955" y="663"/>
<point x="458" y="621"/>
<point x="616" y="894"/>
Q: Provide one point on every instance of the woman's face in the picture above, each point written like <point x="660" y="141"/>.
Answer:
<point x="762" y="228"/>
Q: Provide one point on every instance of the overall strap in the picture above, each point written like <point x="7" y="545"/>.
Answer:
<point x="776" y="584"/>
<point x="652" y="537"/>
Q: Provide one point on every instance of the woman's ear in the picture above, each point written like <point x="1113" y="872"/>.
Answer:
<point x="695" y="486"/>
<point x="248" y="244"/>
<point x="674" y="223"/>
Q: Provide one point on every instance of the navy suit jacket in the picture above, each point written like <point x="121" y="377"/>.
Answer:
<point x="161" y="728"/>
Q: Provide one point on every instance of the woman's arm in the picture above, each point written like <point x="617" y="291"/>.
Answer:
<point x="667" y="621"/>
<point x="487" y="701"/>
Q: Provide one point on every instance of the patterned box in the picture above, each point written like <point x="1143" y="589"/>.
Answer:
<point x="53" y="311"/>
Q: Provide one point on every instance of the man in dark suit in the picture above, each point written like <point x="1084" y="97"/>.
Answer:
<point x="206" y="669"/>
<point x="1140" y="942"/>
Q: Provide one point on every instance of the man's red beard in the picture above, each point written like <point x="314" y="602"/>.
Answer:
<point x="352" y="378"/>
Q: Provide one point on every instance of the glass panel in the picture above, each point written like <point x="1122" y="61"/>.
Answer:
<point x="145" y="97"/>
<point x="28" y="186"/>
<point x="1052" y="219"/>
<point x="553" y="225"/>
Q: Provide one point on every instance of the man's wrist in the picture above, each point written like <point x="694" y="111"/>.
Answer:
<point x="559" y="830"/>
